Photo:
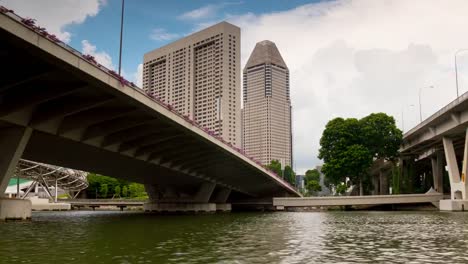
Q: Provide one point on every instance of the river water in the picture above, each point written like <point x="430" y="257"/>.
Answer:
<point x="282" y="237"/>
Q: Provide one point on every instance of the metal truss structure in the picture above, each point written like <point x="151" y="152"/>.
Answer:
<point x="72" y="181"/>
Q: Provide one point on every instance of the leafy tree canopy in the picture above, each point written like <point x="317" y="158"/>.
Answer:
<point x="312" y="175"/>
<point x="349" y="146"/>
<point x="313" y="187"/>
<point x="275" y="166"/>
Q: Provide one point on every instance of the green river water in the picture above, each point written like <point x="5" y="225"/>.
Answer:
<point x="282" y="237"/>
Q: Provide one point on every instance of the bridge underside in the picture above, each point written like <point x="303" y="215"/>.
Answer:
<point x="58" y="108"/>
<point x="438" y="148"/>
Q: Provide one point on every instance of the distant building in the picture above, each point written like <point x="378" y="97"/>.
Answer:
<point x="300" y="183"/>
<point x="325" y="190"/>
<point x="266" y="116"/>
<point x="199" y="75"/>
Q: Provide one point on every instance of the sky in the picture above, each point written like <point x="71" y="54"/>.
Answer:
<point x="347" y="58"/>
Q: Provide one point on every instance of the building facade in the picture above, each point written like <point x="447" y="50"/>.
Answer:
<point x="199" y="75"/>
<point x="266" y="116"/>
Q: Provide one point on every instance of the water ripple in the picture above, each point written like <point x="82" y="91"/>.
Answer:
<point x="302" y="237"/>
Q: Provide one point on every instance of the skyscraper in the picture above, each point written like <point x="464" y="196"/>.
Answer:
<point x="266" y="116"/>
<point x="199" y="75"/>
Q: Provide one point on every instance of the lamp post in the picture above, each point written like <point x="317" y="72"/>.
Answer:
<point x="456" y="68"/>
<point x="420" y="112"/>
<point x="402" y="117"/>
<point x="121" y="35"/>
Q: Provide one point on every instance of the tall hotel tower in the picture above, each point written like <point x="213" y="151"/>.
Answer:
<point x="266" y="115"/>
<point x="199" y="75"/>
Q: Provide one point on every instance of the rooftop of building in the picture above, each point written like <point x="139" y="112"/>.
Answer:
<point x="265" y="52"/>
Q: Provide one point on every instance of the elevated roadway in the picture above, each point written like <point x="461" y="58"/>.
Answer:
<point x="441" y="141"/>
<point x="60" y="107"/>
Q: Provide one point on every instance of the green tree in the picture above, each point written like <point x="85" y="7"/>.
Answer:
<point x="349" y="146"/>
<point x="382" y="137"/>
<point x="275" y="166"/>
<point x="341" y="188"/>
<point x="312" y="175"/>
<point x="313" y="187"/>
<point x="117" y="191"/>
<point x="137" y="190"/>
<point x="104" y="190"/>
<point x="289" y="175"/>
<point x="124" y="191"/>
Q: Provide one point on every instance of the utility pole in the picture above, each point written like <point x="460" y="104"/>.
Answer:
<point x="420" y="111"/>
<point x="456" y="67"/>
<point x="121" y="36"/>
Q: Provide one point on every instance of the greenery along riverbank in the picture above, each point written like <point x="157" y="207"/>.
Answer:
<point x="101" y="186"/>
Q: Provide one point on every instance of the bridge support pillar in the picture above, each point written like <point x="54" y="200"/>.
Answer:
<point x="438" y="172"/>
<point x="166" y="200"/>
<point x="383" y="183"/>
<point x="220" y="198"/>
<point x="458" y="184"/>
<point x="13" y="141"/>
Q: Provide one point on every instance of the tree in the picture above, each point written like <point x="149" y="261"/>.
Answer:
<point x="117" y="191"/>
<point x="382" y="137"/>
<point x="341" y="188"/>
<point x="312" y="175"/>
<point x="349" y="146"/>
<point x="275" y="166"/>
<point x="124" y="191"/>
<point x="289" y="175"/>
<point x="104" y="190"/>
<point x="313" y="186"/>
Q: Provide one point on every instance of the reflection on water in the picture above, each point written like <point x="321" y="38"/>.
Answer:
<point x="315" y="237"/>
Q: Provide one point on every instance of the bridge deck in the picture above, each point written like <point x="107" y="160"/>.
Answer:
<point x="358" y="200"/>
<point x="80" y="115"/>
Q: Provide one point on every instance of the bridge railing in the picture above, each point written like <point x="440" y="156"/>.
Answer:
<point x="31" y="24"/>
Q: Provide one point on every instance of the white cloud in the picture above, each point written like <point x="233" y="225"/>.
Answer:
<point x="138" y="76"/>
<point x="351" y="58"/>
<point x="101" y="57"/>
<point x="160" y="34"/>
<point x="201" y="13"/>
<point x="206" y="12"/>
<point x="56" y="15"/>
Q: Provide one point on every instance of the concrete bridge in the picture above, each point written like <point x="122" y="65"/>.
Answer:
<point x="440" y="142"/>
<point x="286" y="202"/>
<point x="60" y="107"/>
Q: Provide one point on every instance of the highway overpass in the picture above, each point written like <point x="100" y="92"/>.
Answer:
<point x="441" y="142"/>
<point x="60" y="107"/>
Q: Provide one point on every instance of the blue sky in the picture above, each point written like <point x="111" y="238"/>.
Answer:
<point x="347" y="58"/>
<point x="145" y="20"/>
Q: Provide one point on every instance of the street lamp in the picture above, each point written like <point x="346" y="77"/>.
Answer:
<point x="420" y="112"/>
<point x="402" y="117"/>
<point x="456" y="69"/>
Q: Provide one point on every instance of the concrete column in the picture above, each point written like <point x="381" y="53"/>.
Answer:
<point x="166" y="200"/>
<point x="222" y="195"/>
<point x="454" y="174"/>
<point x="13" y="141"/>
<point x="220" y="198"/>
<point x="383" y="183"/>
<point x="152" y="191"/>
<point x="438" y="172"/>
<point x="375" y="182"/>
<point x="204" y="192"/>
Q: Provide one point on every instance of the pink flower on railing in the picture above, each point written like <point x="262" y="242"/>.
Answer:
<point x="54" y="38"/>
<point x="29" y="21"/>
<point x="90" y="58"/>
<point x="5" y="10"/>
<point x="41" y="30"/>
